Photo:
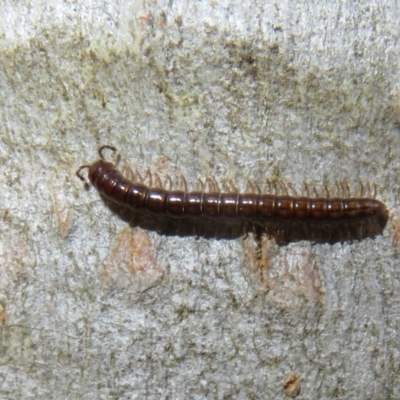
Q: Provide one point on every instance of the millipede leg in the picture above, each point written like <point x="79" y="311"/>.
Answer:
<point x="157" y="181"/>
<point x="183" y="180"/>
<point x="326" y="190"/>
<point x="292" y="189"/>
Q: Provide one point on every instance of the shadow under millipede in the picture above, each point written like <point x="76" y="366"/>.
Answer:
<point x="283" y="232"/>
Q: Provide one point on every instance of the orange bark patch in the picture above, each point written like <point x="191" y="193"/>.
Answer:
<point x="290" y="276"/>
<point x="3" y="315"/>
<point x="132" y="257"/>
<point x="395" y="218"/>
<point x="18" y="259"/>
<point x="61" y="209"/>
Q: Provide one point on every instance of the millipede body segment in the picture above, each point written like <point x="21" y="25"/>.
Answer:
<point x="226" y="206"/>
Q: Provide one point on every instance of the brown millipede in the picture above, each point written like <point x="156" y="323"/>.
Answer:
<point x="256" y="208"/>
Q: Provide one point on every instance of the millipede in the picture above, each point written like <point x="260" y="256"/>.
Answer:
<point x="253" y="208"/>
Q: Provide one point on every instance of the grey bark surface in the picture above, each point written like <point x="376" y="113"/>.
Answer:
<point x="93" y="308"/>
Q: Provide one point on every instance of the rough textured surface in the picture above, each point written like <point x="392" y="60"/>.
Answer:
<point x="94" y="308"/>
